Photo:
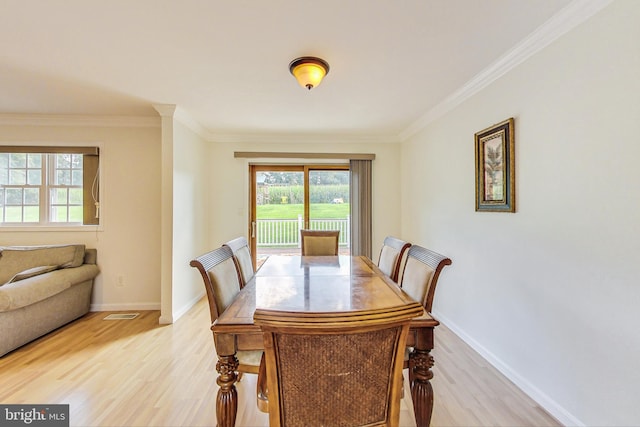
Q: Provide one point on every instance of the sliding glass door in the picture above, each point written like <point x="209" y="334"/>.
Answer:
<point x="285" y="199"/>
<point x="329" y="203"/>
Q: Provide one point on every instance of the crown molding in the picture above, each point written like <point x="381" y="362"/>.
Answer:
<point x="78" y="120"/>
<point x="562" y="22"/>
<point x="302" y="155"/>
<point x="303" y="138"/>
<point x="183" y="116"/>
<point x="165" y="110"/>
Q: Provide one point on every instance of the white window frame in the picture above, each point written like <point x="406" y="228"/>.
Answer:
<point x="46" y="185"/>
<point x="52" y="169"/>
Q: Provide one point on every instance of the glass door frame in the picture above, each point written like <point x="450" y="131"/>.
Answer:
<point x="305" y="168"/>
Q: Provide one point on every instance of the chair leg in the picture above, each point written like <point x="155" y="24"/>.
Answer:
<point x="262" y="392"/>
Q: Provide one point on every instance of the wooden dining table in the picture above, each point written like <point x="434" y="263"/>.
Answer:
<point x="317" y="284"/>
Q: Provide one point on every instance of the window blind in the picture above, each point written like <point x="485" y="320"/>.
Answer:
<point x="361" y="224"/>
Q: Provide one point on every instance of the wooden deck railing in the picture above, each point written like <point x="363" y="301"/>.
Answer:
<point x="286" y="232"/>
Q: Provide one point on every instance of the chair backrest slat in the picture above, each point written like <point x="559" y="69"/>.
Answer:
<point x="421" y="272"/>
<point x="242" y="254"/>
<point x="391" y="255"/>
<point x="221" y="278"/>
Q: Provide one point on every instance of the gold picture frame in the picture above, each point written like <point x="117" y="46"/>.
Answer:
<point x="495" y="168"/>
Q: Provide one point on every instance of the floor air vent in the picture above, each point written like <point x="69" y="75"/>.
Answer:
<point x="121" y="316"/>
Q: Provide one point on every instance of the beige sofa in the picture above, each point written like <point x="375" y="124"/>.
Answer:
<point x="41" y="289"/>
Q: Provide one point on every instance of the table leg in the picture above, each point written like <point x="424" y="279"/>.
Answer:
<point x="421" y="390"/>
<point x="420" y="364"/>
<point x="227" y="399"/>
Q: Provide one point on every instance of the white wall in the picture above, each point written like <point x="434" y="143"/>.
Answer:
<point x="191" y="215"/>
<point x="128" y="244"/>
<point x="230" y="185"/>
<point x="549" y="294"/>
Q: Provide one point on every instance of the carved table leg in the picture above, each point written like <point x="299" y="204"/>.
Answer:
<point x="421" y="390"/>
<point x="227" y="400"/>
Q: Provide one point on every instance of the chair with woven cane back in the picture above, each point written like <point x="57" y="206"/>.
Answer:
<point x="319" y="242"/>
<point x="419" y="279"/>
<point x="391" y="253"/>
<point x="321" y="370"/>
<point x="221" y="277"/>
<point x="242" y="254"/>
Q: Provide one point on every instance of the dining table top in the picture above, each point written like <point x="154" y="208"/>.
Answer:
<point x="309" y="286"/>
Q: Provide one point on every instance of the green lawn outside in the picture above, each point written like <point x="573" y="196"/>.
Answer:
<point x="291" y="211"/>
<point x="32" y="214"/>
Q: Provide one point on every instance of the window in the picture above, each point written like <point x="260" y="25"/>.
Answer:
<point x="49" y="186"/>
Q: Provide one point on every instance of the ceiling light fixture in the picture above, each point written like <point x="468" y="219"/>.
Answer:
<point x="309" y="70"/>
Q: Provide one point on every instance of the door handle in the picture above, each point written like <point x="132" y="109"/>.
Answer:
<point x="253" y="229"/>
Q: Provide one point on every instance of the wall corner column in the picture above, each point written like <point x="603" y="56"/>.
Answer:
<point x="166" y="112"/>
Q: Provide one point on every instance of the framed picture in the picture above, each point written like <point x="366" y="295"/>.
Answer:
<point x="495" y="168"/>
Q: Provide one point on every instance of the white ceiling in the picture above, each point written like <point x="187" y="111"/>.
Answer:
<point x="225" y="63"/>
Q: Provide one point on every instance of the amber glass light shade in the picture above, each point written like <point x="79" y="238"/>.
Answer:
<point x="309" y="71"/>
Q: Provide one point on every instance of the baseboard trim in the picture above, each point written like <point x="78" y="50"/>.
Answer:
<point x="148" y="306"/>
<point x="186" y="307"/>
<point x="547" y="403"/>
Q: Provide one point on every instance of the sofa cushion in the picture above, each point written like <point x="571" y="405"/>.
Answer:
<point x="14" y="259"/>
<point x="34" y="289"/>
<point x="32" y="272"/>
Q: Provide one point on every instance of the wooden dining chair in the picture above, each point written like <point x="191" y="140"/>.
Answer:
<point x="328" y="371"/>
<point x="221" y="279"/>
<point x="419" y="279"/>
<point x="242" y="254"/>
<point x="319" y="242"/>
<point x="391" y="255"/>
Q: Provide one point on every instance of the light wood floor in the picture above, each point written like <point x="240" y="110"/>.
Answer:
<point x="139" y="373"/>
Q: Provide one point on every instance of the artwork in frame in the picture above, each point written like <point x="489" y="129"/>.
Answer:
<point x="495" y="168"/>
